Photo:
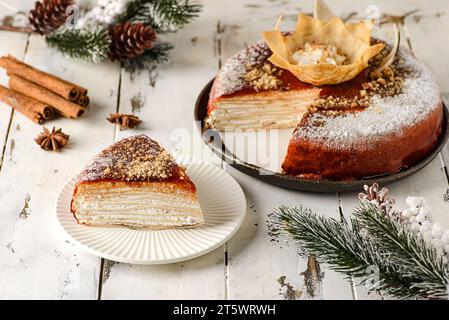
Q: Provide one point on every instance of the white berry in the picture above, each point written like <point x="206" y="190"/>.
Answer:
<point x="436" y="231"/>
<point x="426" y="226"/>
<point x="445" y="237"/>
<point x="412" y="220"/>
<point x="415" y="201"/>
<point x="405" y="214"/>
<point x="108" y="19"/>
<point x="424" y="211"/>
<point x="96" y="10"/>
<point x="421" y="218"/>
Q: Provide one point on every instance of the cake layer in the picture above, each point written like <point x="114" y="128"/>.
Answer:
<point x="153" y="205"/>
<point x="136" y="183"/>
<point x="317" y="159"/>
<point x="266" y="110"/>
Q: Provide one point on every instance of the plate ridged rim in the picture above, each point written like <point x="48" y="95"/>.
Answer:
<point x="223" y="203"/>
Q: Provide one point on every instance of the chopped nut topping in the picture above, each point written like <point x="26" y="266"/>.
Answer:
<point x="341" y="103"/>
<point x="386" y="84"/>
<point x="137" y="158"/>
<point x="264" y="78"/>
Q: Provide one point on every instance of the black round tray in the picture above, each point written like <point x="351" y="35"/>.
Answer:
<point x="295" y="183"/>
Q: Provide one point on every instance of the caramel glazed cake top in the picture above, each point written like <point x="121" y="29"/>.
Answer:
<point x="385" y="113"/>
<point x="133" y="159"/>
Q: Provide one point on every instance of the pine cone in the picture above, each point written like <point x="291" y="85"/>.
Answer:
<point x="129" y="41"/>
<point x="49" y="15"/>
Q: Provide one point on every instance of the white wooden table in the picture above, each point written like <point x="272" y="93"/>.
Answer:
<point x="37" y="261"/>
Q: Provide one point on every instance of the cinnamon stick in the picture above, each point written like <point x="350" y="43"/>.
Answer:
<point x="35" y="110"/>
<point x="65" y="89"/>
<point x="83" y="101"/>
<point x="64" y="107"/>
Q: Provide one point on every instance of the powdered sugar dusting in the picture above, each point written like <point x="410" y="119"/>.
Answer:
<point x="232" y="75"/>
<point x="386" y="116"/>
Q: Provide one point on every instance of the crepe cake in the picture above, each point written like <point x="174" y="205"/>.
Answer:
<point x="360" y="107"/>
<point x="136" y="183"/>
<point x="361" y="128"/>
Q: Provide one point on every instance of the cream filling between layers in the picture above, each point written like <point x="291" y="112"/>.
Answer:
<point x="266" y="110"/>
<point x="138" y="207"/>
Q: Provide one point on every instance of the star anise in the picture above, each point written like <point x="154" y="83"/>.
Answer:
<point x="126" y="121"/>
<point x="52" y="141"/>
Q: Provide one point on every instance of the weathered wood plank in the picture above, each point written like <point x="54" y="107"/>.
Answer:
<point x="36" y="260"/>
<point x="41" y="265"/>
<point x="429" y="42"/>
<point x="258" y="268"/>
<point x="16" y="46"/>
<point x="431" y="182"/>
<point x="165" y="102"/>
<point x="261" y="267"/>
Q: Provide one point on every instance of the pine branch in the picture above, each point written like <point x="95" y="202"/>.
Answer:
<point x="162" y="15"/>
<point x="346" y="250"/>
<point x="408" y="250"/>
<point x="323" y="238"/>
<point x="90" y="44"/>
<point x="151" y="58"/>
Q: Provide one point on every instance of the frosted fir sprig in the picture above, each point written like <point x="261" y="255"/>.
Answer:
<point x="416" y="216"/>
<point x="406" y="249"/>
<point x="121" y="30"/>
<point x="163" y="15"/>
<point x="89" y="44"/>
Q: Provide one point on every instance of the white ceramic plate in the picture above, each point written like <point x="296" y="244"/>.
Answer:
<point x="222" y="201"/>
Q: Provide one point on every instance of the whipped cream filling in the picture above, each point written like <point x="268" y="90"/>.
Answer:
<point x="313" y="53"/>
